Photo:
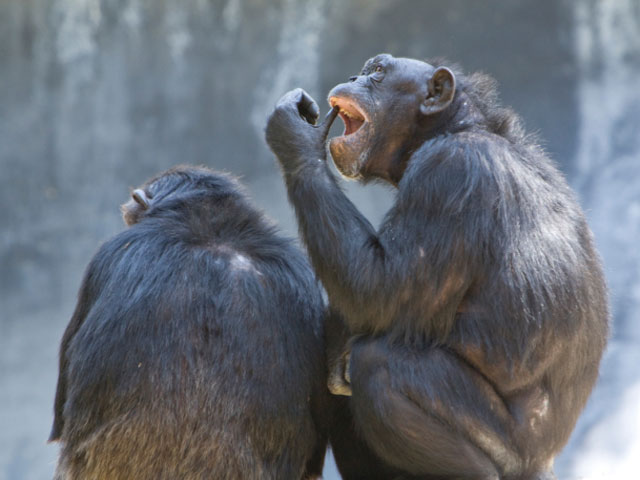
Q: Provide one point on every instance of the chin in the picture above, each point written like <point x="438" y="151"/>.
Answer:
<point x="345" y="161"/>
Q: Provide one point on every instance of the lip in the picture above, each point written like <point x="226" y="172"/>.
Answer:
<point x="352" y="115"/>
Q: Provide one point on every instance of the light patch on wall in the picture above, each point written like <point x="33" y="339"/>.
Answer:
<point x="178" y="35"/>
<point x="75" y="40"/>
<point x="131" y="15"/>
<point x="607" y="44"/>
<point x="605" y="443"/>
<point x="296" y="62"/>
<point x="232" y="15"/>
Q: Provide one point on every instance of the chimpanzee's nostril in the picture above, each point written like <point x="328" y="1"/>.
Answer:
<point x="353" y="79"/>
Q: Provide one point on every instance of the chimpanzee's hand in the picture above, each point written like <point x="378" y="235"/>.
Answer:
<point x="291" y="131"/>
<point x="339" y="379"/>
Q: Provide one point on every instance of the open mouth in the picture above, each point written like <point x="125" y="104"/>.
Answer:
<point x="350" y="114"/>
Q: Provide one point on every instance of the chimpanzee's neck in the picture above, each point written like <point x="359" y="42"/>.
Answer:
<point x="463" y="114"/>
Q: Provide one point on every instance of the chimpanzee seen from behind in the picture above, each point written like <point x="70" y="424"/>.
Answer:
<point x="196" y="347"/>
<point x="478" y="309"/>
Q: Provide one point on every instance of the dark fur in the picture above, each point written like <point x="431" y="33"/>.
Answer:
<point x="479" y="305"/>
<point x="196" y="347"/>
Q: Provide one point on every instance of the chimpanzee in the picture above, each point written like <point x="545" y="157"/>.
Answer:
<point x="196" y="348"/>
<point x="478" y="309"/>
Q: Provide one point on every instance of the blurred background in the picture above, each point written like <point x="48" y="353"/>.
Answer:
<point x="98" y="95"/>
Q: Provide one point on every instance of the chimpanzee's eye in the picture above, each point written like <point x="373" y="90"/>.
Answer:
<point x="379" y="69"/>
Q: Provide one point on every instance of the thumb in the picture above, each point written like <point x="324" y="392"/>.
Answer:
<point x="328" y="121"/>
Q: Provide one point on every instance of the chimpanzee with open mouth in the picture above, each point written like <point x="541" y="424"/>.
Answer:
<point x="478" y="310"/>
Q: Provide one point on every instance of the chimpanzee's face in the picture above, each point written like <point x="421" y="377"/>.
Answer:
<point x="382" y="109"/>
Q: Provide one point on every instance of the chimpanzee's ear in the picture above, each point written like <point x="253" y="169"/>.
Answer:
<point x="442" y="88"/>
<point x="140" y="198"/>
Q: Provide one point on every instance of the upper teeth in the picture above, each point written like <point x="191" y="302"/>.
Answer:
<point x="346" y="113"/>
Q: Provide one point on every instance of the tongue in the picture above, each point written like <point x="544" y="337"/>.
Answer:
<point x="351" y="125"/>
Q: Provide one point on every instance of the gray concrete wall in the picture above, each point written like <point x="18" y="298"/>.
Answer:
<point x="97" y="95"/>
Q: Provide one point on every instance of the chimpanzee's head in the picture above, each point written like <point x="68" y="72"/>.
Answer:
<point x="176" y="187"/>
<point x="389" y="110"/>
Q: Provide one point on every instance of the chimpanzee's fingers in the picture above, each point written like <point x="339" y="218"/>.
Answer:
<point x="290" y="99"/>
<point x="328" y="120"/>
<point x="308" y="108"/>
